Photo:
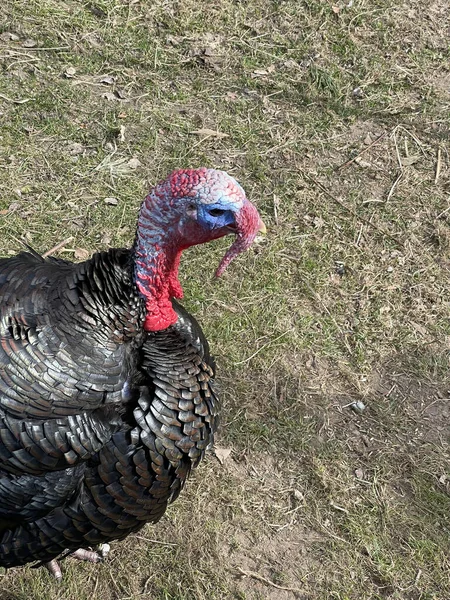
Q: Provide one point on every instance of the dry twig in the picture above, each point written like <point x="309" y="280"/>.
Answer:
<point x="139" y="537"/>
<point x="14" y="100"/>
<point x="57" y="247"/>
<point x="438" y="165"/>
<point x="352" y="160"/>
<point x="266" y="581"/>
<point x="394" y="185"/>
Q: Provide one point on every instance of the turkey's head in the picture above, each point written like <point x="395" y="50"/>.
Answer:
<point x="190" y="207"/>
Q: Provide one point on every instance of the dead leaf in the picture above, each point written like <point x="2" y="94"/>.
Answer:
<point x="267" y="71"/>
<point x="81" y="254"/>
<point x="111" y="201"/>
<point x="74" y="148"/>
<point x="107" y="80"/>
<point x="318" y="222"/>
<point x="419" y="328"/>
<point x="260" y="72"/>
<point x="69" y="73"/>
<point x="336" y="9"/>
<point x="93" y="40"/>
<point x="29" y="43"/>
<point x="134" y="163"/>
<point x="109" y="96"/>
<point x="7" y="36"/>
<point x="335" y="279"/>
<point x="232" y="96"/>
<point x="206" y="57"/>
<point x="222" y="454"/>
<point x="410" y="160"/>
<point x="209" y="133"/>
<point x="298" y="495"/>
<point x="174" y="41"/>
<point x="121" y="94"/>
<point x="290" y="64"/>
<point x="363" y="163"/>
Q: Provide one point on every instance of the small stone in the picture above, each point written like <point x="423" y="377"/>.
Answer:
<point x="111" y="201"/>
<point x="358" y="407"/>
<point x="359" y="474"/>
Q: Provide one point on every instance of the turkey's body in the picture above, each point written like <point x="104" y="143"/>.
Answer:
<point x="100" y="420"/>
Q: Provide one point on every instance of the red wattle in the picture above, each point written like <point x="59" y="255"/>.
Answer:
<point x="159" y="316"/>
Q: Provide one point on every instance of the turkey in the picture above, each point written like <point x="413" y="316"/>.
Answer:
<point x="106" y="397"/>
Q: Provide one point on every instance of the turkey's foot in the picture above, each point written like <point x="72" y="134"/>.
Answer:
<point x="55" y="569"/>
<point x="88" y="555"/>
<point x="80" y="554"/>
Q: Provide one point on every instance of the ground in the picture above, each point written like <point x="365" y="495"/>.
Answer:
<point x="335" y="119"/>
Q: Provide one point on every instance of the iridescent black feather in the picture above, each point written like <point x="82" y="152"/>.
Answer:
<point x="100" y="422"/>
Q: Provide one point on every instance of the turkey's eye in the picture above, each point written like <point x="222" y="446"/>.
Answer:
<point x="217" y="212"/>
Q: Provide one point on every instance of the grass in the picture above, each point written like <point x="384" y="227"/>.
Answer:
<point x="346" y="298"/>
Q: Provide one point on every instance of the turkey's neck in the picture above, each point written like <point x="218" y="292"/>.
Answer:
<point x="156" y="271"/>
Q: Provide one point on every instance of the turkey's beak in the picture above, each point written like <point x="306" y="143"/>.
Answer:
<point x="248" y="225"/>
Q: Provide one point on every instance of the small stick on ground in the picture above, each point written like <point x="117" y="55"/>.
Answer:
<point x="438" y="165"/>
<point x="394" y="185"/>
<point x="14" y="100"/>
<point x="50" y="49"/>
<point x="161" y="543"/>
<point x="352" y="160"/>
<point x="275" y="208"/>
<point x="57" y="247"/>
<point x="266" y="581"/>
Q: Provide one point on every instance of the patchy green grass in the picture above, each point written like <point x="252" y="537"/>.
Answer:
<point x="336" y="119"/>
